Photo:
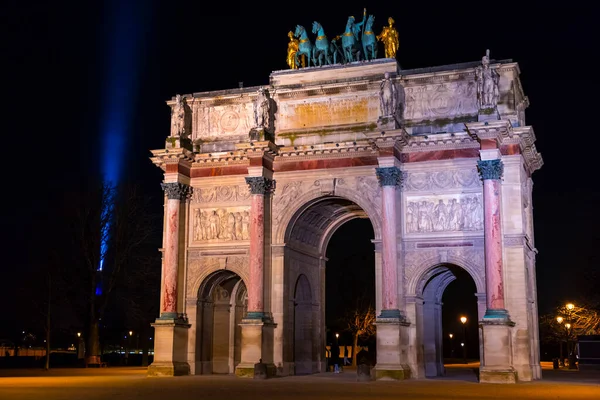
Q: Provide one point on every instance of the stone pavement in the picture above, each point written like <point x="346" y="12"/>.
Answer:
<point x="132" y="383"/>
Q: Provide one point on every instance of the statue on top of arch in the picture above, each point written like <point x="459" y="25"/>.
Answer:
<point x="358" y="42"/>
<point x="488" y="80"/>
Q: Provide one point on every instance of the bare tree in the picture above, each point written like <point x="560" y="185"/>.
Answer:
<point x="361" y="323"/>
<point x="108" y="229"/>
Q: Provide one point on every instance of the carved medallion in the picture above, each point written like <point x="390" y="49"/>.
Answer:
<point x="230" y="121"/>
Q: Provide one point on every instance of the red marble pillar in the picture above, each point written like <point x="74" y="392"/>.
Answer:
<point x="389" y="179"/>
<point x="491" y="172"/>
<point x="176" y="192"/>
<point x="259" y="187"/>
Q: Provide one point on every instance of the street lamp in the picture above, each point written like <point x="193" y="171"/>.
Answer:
<point x="568" y="319"/>
<point x="562" y="359"/>
<point x="463" y="320"/>
<point x="78" y="334"/>
<point x="451" y="336"/>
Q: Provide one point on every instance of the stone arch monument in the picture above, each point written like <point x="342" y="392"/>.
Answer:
<point x="444" y="178"/>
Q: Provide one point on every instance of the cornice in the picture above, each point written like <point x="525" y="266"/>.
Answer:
<point x="440" y="141"/>
<point x="503" y="133"/>
<point x="162" y="157"/>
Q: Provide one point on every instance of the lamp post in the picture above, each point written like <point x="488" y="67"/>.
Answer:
<point x="560" y="342"/>
<point x="571" y="351"/>
<point x="463" y="320"/>
<point x="568" y="320"/>
<point x="451" y="336"/>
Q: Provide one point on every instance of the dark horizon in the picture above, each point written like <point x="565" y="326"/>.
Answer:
<point x="58" y="74"/>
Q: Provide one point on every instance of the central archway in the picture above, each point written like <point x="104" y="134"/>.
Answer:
<point x="307" y="236"/>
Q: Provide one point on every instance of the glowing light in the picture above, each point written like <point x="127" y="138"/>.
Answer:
<point x="463" y="320"/>
<point x="125" y="28"/>
<point x="559" y="320"/>
<point x="451" y="335"/>
<point x="568" y="326"/>
<point x="570" y="306"/>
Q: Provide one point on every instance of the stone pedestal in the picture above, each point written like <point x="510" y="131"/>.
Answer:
<point x="387" y="122"/>
<point x="392" y="342"/>
<point x="170" y="348"/>
<point x="257" y="339"/>
<point x="488" y="114"/>
<point x="496" y="360"/>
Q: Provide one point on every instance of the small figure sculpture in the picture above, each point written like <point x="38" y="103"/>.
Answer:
<point x="388" y="96"/>
<point x="292" y="49"/>
<point x="389" y="38"/>
<point x="487" y="84"/>
<point x="261" y="110"/>
<point x="178" y="117"/>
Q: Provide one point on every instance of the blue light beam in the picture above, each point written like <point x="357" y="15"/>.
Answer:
<point x="125" y="30"/>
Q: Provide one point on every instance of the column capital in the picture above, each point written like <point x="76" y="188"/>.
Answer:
<point x="260" y="184"/>
<point x="389" y="176"/>
<point x="490" y="169"/>
<point x="177" y="191"/>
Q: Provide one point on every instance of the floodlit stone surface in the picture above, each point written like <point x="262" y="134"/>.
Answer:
<point x="269" y="173"/>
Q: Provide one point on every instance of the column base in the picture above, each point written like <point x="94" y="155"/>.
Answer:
<point x="257" y="334"/>
<point x="170" y="347"/>
<point x="392" y="372"/>
<point x="497" y="375"/>
<point x="392" y="343"/>
<point x="496" y="314"/>
<point x="166" y="368"/>
<point x="496" y="360"/>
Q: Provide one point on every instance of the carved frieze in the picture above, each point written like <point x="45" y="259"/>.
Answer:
<point x="440" y="100"/>
<point x="231" y="193"/>
<point x="284" y="195"/>
<point x="447" y="179"/>
<point x="444" y="213"/>
<point x="220" y="224"/>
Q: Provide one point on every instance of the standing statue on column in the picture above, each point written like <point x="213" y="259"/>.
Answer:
<point x="388" y="96"/>
<point x="487" y="84"/>
<point x="261" y="110"/>
<point x="178" y="117"/>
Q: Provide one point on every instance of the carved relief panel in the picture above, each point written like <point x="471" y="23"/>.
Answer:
<point x="444" y="213"/>
<point x="440" y="100"/>
<point x="220" y="224"/>
<point x="218" y="121"/>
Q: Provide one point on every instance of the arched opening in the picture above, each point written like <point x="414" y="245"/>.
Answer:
<point x="307" y="239"/>
<point x="449" y="293"/>
<point x="303" y="326"/>
<point x="222" y="303"/>
<point x="350" y="283"/>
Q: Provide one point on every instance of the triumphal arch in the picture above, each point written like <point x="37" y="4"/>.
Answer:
<point x="257" y="180"/>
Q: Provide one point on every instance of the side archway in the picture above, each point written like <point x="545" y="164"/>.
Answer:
<point x="221" y="305"/>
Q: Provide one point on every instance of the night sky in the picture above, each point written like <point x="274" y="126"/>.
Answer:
<point x="56" y="58"/>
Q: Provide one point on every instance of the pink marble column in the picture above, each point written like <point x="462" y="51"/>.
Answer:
<point x="491" y="172"/>
<point x="176" y="192"/>
<point x="389" y="179"/>
<point x="259" y="187"/>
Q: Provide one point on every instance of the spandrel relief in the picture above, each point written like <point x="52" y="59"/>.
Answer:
<point x="221" y="224"/>
<point x="449" y="213"/>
